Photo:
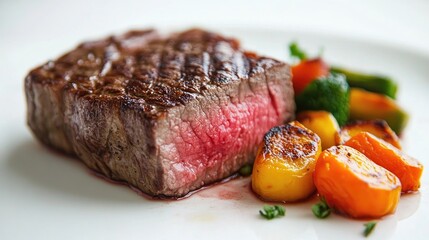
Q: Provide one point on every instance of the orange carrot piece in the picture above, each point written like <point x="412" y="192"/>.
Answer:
<point x="406" y="168"/>
<point x="378" y="127"/>
<point x="353" y="184"/>
<point x="307" y="71"/>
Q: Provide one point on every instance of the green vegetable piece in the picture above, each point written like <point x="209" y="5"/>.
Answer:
<point x="321" y="209"/>
<point x="369" y="227"/>
<point x="329" y="93"/>
<point x="270" y="212"/>
<point x="297" y="52"/>
<point x="365" y="105"/>
<point x="246" y="170"/>
<point x="372" y="83"/>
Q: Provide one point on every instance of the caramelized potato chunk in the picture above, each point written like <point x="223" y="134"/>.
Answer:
<point x="285" y="163"/>
<point x="322" y="123"/>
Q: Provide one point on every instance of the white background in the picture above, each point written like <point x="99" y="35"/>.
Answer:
<point x="32" y="32"/>
<point x="53" y="26"/>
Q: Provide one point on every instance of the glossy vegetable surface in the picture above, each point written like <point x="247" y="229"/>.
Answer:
<point x="306" y="71"/>
<point x="406" y="168"/>
<point x="373" y="83"/>
<point x="285" y="162"/>
<point x="366" y="105"/>
<point x="352" y="184"/>
<point x="322" y="123"/>
<point x="378" y="128"/>
<point x="330" y="94"/>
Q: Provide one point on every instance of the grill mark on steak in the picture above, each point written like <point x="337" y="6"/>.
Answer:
<point x="165" y="114"/>
<point x="171" y="83"/>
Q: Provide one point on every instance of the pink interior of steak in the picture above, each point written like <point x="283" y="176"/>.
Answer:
<point x="217" y="141"/>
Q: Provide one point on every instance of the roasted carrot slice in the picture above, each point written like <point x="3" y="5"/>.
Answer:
<point x="352" y="184"/>
<point x="406" y="168"/>
<point x="307" y="71"/>
<point x="378" y="127"/>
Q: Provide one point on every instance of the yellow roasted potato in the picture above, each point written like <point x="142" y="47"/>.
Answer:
<point x="284" y="165"/>
<point x="322" y="123"/>
<point x="378" y="128"/>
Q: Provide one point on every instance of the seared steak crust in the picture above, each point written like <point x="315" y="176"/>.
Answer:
<point x="135" y="107"/>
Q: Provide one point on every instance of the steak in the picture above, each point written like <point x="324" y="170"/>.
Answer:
<point x="164" y="114"/>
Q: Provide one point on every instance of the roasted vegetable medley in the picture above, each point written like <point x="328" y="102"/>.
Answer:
<point x="344" y="144"/>
<point x="347" y="94"/>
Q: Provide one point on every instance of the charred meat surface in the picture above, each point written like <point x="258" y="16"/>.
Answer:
<point x="165" y="114"/>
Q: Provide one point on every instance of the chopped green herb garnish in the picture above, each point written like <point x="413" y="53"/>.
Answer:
<point x="246" y="170"/>
<point x="297" y="52"/>
<point x="270" y="212"/>
<point x="369" y="227"/>
<point x="321" y="209"/>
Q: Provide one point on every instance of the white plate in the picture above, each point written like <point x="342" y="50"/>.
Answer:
<point x="45" y="195"/>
